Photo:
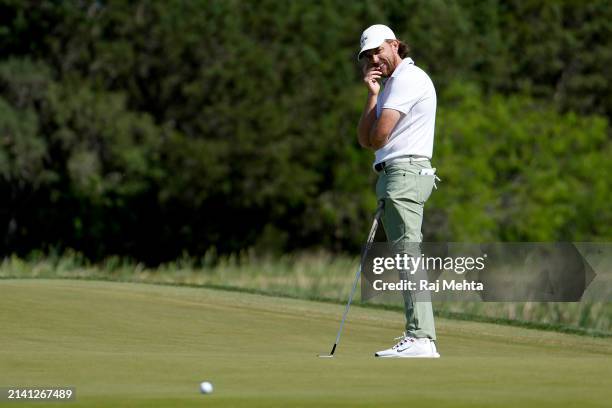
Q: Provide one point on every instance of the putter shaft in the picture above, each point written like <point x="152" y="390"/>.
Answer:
<point x="369" y="241"/>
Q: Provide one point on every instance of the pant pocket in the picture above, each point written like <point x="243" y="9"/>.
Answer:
<point x="425" y="186"/>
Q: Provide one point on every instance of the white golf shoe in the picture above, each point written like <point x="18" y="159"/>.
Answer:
<point x="410" y="347"/>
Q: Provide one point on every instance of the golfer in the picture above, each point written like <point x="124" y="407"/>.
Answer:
<point x="398" y="124"/>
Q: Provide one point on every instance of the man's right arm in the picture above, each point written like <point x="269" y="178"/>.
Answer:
<point x="371" y="75"/>
<point x="368" y="117"/>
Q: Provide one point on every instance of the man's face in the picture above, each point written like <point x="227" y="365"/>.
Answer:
<point x="384" y="58"/>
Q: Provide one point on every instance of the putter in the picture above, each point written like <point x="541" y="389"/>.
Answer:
<point x="368" y="244"/>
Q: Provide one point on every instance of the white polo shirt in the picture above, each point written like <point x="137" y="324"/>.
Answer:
<point x="410" y="91"/>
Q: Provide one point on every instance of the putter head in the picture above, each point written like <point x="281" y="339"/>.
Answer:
<point x="331" y="353"/>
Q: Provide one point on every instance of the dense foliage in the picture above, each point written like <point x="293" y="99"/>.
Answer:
<point x="154" y="128"/>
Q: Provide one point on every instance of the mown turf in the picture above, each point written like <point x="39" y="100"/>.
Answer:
<point x="138" y="345"/>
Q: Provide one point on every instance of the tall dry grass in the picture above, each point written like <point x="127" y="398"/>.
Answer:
<point x="302" y="275"/>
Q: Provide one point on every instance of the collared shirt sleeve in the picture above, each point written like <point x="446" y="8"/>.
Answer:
<point x="405" y="90"/>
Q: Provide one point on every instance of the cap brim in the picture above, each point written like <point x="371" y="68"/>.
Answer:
<point x="369" y="46"/>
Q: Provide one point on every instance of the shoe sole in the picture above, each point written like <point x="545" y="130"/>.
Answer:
<point x="436" y="355"/>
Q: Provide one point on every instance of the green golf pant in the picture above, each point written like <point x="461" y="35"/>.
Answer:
<point x="405" y="192"/>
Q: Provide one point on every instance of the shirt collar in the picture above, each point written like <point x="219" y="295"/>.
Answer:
<point x="405" y="62"/>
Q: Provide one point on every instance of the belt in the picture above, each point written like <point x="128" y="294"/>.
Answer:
<point x="403" y="159"/>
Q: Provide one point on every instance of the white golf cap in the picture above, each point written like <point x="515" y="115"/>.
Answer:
<point x="373" y="36"/>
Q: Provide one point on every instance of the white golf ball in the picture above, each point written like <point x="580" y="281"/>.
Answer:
<point x="206" y="387"/>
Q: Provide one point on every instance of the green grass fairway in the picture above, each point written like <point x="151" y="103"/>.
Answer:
<point x="138" y="345"/>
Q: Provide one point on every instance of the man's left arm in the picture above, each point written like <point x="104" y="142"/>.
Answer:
<point x="382" y="128"/>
